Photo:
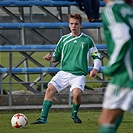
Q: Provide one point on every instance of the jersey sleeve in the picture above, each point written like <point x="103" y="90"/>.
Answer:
<point x="94" y="53"/>
<point x="57" y="52"/>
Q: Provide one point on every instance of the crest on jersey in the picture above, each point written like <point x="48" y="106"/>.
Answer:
<point x="82" y="44"/>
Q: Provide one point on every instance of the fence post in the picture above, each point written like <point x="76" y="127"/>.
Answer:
<point x="10" y="80"/>
<point x="1" y="87"/>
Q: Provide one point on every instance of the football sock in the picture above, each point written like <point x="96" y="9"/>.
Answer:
<point x="75" y="109"/>
<point x="107" y="128"/>
<point x="118" y="121"/>
<point x="45" y="108"/>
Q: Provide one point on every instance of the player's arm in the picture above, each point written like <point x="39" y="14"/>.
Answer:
<point x="49" y="57"/>
<point x="97" y="61"/>
<point x="122" y="40"/>
<point x="56" y="57"/>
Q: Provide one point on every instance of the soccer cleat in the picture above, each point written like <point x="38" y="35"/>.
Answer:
<point x="40" y="121"/>
<point x="76" y="119"/>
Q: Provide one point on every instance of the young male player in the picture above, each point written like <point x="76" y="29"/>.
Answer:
<point x="117" y="20"/>
<point x="72" y="50"/>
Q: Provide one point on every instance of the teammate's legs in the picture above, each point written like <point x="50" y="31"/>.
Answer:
<point x="116" y="101"/>
<point x="109" y="120"/>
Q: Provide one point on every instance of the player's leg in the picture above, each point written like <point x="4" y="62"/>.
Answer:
<point x="58" y="83"/>
<point x="119" y="120"/>
<point x="77" y="87"/>
<point x="76" y="104"/>
<point x="95" y="9"/>
<point x="48" y="99"/>
<point x="109" y="120"/>
<point x="47" y="103"/>
<point x="116" y="101"/>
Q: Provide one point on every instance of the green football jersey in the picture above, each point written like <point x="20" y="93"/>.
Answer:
<point x="73" y="53"/>
<point x="117" y="20"/>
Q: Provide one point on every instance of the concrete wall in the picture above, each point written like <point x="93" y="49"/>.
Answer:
<point x="89" y="97"/>
<point x="18" y="100"/>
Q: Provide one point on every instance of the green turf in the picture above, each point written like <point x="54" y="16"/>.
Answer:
<point x="60" y="122"/>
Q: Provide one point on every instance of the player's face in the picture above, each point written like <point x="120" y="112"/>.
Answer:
<point x="74" y="25"/>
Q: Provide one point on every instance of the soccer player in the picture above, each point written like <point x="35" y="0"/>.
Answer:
<point x="72" y="51"/>
<point x="117" y="20"/>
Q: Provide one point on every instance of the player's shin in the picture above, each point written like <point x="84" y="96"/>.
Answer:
<point x="118" y="121"/>
<point x="75" y="109"/>
<point x="45" y="108"/>
<point x="107" y="128"/>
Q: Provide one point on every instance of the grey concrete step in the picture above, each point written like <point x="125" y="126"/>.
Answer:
<point x="55" y="107"/>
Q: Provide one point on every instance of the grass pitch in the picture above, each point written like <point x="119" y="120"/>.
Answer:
<point x="60" y="122"/>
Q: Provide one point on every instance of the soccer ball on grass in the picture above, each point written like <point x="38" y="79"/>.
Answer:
<point x="19" y="120"/>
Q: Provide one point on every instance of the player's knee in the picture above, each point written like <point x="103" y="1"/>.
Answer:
<point x="49" y="95"/>
<point x="76" y="94"/>
<point x="77" y="98"/>
<point x="50" y="92"/>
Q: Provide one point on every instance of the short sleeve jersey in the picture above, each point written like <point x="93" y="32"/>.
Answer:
<point x="73" y="53"/>
<point x="117" y="20"/>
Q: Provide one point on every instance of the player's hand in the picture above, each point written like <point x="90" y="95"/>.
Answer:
<point x="93" y="72"/>
<point x="47" y="57"/>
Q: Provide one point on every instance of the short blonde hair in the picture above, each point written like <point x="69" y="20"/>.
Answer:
<point x="75" y="16"/>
